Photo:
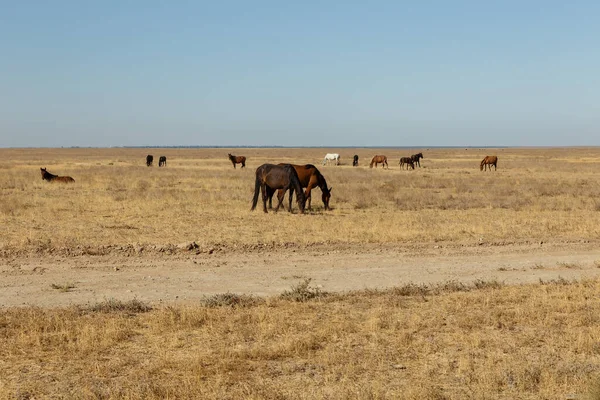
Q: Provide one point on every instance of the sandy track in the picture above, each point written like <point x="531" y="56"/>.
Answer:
<point x="189" y="277"/>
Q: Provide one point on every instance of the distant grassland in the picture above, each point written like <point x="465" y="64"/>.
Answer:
<point x="116" y="199"/>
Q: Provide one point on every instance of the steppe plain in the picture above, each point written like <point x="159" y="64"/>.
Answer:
<point x="439" y="282"/>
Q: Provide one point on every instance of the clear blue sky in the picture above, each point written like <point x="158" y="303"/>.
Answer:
<point x="310" y="73"/>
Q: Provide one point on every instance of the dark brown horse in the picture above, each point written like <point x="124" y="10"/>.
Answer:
<point x="55" y="178"/>
<point x="276" y="177"/>
<point x="489" y="161"/>
<point x="408" y="161"/>
<point x="355" y="161"/>
<point x="379" y="160"/>
<point x="416" y="158"/>
<point x="162" y="161"/>
<point x="149" y="159"/>
<point x="310" y="177"/>
<point x="237" y="160"/>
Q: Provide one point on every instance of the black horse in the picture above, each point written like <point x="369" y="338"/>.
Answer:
<point x="408" y="161"/>
<point x="416" y="158"/>
<point x="162" y="161"/>
<point x="355" y="161"/>
<point x="270" y="176"/>
<point x="149" y="159"/>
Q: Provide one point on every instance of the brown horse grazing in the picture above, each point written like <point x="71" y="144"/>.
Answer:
<point x="489" y="160"/>
<point x="149" y="159"/>
<point x="408" y="161"/>
<point x="310" y="177"/>
<point x="162" y="161"/>
<point x="55" y="178"/>
<point x="277" y="177"/>
<point x="355" y="161"/>
<point x="416" y="158"/>
<point x="379" y="160"/>
<point x="237" y="160"/>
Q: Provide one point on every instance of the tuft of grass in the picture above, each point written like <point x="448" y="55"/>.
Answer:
<point x="65" y="287"/>
<point x="232" y="300"/>
<point x="559" y="281"/>
<point x="303" y="292"/>
<point x="111" y="305"/>
<point x="569" y="265"/>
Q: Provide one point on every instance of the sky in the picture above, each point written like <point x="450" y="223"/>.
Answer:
<point x="311" y="73"/>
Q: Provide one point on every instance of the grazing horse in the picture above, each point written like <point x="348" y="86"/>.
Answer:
<point x="379" y="160"/>
<point x="162" y="161"/>
<point x="489" y="160"/>
<point x="416" y="158"/>
<point x="408" y="161"/>
<point x="331" y="157"/>
<point x="149" y="159"/>
<point x="310" y="177"/>
<point x="237" y="160"/>
<point x="55" y="178"/>
<point x="270" y="176"/>
<point x="355" y="161"/>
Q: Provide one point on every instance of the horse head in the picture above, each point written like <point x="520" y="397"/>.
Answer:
<point x="326" y="196"/>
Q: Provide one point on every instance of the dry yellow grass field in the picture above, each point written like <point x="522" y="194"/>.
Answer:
<point x="456" y="342"/>
<point x="449" y="340"/>
<point x="535" y="194"/>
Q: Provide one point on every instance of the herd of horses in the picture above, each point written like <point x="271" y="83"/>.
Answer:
<point x="282" y="178"/>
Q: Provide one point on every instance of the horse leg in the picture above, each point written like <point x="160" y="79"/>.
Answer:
<point x="307" y="195"/>
<point x="263" y="189"/>
<point x="280" y="200"/>
<point x="243" y="164"/>
<point x="291" y="196"/>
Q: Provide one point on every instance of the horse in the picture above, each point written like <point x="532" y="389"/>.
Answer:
<point x="149" y="159"/>
<point x="55" y="178"/>
<point x="310" y="177"/>
<point x="331" y="157"/>
<point x="379" y="160"/>
<point x="237" y="160"/>
<point x="355" y="161"/>
<point x="162" y="161"/>
<point x="408" y="161"/>
<point x="277" y="177"/>
<point x="489" y="160"/>
<point x="416" y="158"/>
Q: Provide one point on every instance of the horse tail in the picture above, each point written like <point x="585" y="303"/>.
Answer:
<point x="256" y="191"/>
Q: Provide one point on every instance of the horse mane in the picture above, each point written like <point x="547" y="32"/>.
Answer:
<point x="295" y="181"/>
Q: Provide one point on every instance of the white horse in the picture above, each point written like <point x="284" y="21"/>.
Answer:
<point x="332" y="157"/>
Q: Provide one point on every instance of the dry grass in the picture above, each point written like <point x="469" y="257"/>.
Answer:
<point x="452" y="341"/>
<point x="116" y="200"/>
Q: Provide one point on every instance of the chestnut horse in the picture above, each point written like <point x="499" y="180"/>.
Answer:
<point x="379" y="160"/>
<point x="237" y="160"/>
<point x="310" y="177"/>
<point x="55" y="178"/>
<point x="408" y="161"/>
<point x="416" y="158"/>
<point x="270" y="176"/>
<point x="489" y="160"/>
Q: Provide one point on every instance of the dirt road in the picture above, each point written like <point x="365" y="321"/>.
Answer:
<point x="186" y="277"/>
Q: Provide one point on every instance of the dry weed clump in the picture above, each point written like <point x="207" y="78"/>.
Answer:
<point x="473" y="341"/>
<point x="117" y="200"/>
